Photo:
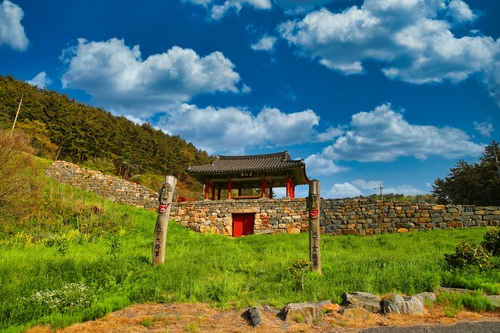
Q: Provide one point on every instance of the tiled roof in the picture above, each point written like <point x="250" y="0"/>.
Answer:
<point x="265" y="162"/>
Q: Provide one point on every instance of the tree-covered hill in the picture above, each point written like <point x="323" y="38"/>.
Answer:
<point x="65" y="129"/>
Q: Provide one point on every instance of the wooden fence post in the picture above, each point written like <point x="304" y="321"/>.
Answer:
<point x="314" y="204"/>
<point x="161" y="228"/>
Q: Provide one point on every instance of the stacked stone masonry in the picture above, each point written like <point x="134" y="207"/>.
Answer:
<point x="109" y="187"/>
<point x="338" y="217"/>
<point x="279" y="216"/>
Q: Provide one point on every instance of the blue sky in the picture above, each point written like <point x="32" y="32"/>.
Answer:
<point x="391" y="91"/>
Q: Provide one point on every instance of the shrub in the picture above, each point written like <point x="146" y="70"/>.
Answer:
<point x="298" y="271"/>
<point x="468" y="255"/>
<point x="21" y="187"/>
<point x="491" y="241"/>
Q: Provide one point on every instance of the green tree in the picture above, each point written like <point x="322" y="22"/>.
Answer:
<point x="472" y="183"/>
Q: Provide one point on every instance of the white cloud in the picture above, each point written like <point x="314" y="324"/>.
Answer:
<point x="266" y="43"/>
<point x="319" y="166"/>
<point x="383" y="135"/>
<point x="460" y="11"/>
<point x="218" y="9"/>
<point x="366" y="188"/>
<point x="232" y="129"/>
<point x="485" y="128"/>
<point x="330" y="134"/>
<point x="412" y="39"/>
<point x="404" y="189"/>
<point x="41" y="80"/>
<point x="11" y="30"/>
<point x="116" y="76"/>
<point x="364" y="185"/>
<point x="345" y="190"/>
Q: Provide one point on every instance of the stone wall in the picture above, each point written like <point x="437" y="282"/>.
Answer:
<point x="278" y="216"/>
<point x="338" y="217"/>
<point x="109" y="187"/>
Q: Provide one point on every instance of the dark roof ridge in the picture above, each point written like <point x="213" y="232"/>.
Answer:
<point x="248" y="157"/>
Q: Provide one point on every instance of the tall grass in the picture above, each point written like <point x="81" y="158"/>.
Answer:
<point x="82" y="257"/>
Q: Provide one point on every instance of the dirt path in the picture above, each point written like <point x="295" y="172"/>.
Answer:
<point x="202" y="318"/>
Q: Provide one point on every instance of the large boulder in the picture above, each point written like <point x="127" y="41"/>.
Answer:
<point x="302" y="312"/>
<point x="363" y="300"/>
<point x="402" y="305"/>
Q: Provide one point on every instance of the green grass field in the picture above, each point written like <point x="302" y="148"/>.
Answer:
<point x="79" y="257"/>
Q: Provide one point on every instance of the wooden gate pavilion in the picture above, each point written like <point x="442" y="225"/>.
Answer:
<point x="265" y="171"/>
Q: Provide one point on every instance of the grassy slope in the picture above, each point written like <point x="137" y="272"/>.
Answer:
<point x="85" y="262"/>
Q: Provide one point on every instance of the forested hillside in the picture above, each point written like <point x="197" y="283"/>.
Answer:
<point x="65" y="129"/>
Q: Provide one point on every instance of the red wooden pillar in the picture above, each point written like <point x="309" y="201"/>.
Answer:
<point x="213" y="192"/>
<point x="239" y="191"/>
<point x="263" y="187"/>
<point x="292" y="187"/>
<point x="218" y="194"/>
<point x="229" y="188"/>
<point x="288" y="187"/>
<point x="270" y="191"/>
<point x="207" y="188"/>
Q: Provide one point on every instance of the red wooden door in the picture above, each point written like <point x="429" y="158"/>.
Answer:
<point x="243" y="224"/>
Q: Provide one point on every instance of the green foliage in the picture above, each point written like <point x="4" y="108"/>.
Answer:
<point x="472" y="183"/>
<point x="114" y="246"/>
<point x="20" y="183"/>
<point x="474" y="301"/>
<point x="61" y="128"/>
<point x="491" y="241"/>
<point x="473" y="280"/>
<point x="298" y="271"/>
<point x="468" y="255"/>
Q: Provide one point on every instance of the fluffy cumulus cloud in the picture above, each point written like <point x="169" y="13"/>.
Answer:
<point x="362" y="187"/>
<point x="345" y="190"/>
<point x="219" y="8"/>
<point x="317" y="165"/>
<point x="412" y="39"/>
<point x="266" y="43"/>
<point x="384" y="135"/>
<point x="41" y="80"/>
<point x="11" y="30"/>
<point x="116" y="76"/>
<point x="232" y="129"/>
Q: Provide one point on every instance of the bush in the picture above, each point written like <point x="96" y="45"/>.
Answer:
<point x="468" y="255"/>
<point x="21" y="188"/>
<point x="491" y="241"/>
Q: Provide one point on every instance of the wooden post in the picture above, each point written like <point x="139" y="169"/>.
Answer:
<point x="161" y="228"/>
<point x="314" y="204"/>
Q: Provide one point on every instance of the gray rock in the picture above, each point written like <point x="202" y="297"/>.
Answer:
<point x="302" y="312"/>
<point x="363" y="300"/>
<point x="353" y="312"/>
<point x="495" y="300"/>
<point x="255" y="317"/>
<point x="427" y="298"/>
<point x="402" y="305"/>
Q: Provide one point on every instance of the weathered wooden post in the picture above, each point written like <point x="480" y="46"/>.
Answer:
<point x="314" y="204"/>
<point x="161" y="228"/>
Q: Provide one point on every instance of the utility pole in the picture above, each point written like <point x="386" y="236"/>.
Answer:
<point x="380" y="187"/>
<point x="17" y="113"/>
